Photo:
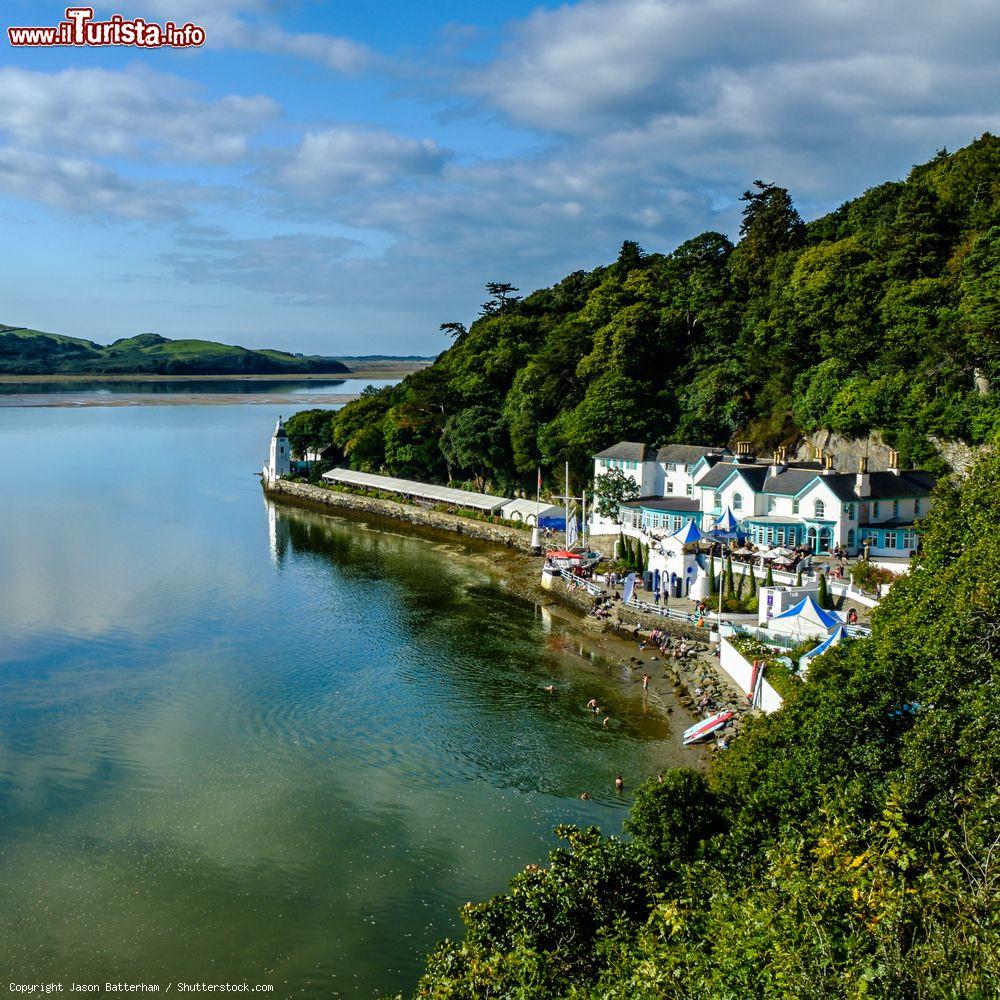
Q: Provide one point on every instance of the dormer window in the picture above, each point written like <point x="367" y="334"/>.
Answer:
<point x="895" y="508"/>
<point x="795" y="506"/>
<point x="771" y="504"/>
<point x="916" y="507"/>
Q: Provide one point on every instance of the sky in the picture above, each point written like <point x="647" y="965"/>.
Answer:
<point x="340" y="178"/>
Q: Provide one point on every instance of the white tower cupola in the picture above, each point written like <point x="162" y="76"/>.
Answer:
<point x="279" y="462"/>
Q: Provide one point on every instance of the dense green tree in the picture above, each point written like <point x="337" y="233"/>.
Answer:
<point x="880" y="316"/>
<point x="611" y="490"/>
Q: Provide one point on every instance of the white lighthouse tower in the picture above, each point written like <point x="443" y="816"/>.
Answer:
<point x="279" y="460"/>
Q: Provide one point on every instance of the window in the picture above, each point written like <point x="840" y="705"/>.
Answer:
<point x="916" y="507"/>
<point x="795" y="506"/>
<point x="771" y="504"/>
<point x="875" y="508"/>
<point x="769" y="535"/>
<point x="718" y="500"/>
<point x="895" y="508"/>
<point x="890" y="539"/>
<point x="849" y="510"/>
<point x="689" y="489"/>
<point x="819" y="509"/>
<point x="737" y="501"/>
<point x="670" y="487"/>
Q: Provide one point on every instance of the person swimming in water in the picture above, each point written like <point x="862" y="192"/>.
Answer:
<point x="619" y="784"/>
<point x="607" y="719"/>
<point x="550" y="688"/>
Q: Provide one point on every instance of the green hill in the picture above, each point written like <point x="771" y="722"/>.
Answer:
<point x="883" y="315"/>
<point x="32" y="352"/>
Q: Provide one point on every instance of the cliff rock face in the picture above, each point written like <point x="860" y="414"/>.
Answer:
<point x="845" y="451"/>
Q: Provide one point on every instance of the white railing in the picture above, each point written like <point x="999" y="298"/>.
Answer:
<point x="578" y="581"/>
<point x="839" y="588"/>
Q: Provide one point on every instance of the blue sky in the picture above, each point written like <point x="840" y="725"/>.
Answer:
<point x="341" y="178"/>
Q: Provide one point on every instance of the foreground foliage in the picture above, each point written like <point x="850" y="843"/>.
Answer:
<point x="883" y="315"/>
<point x="846" y="846"/>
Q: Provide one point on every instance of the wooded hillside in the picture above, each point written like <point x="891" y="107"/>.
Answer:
<point x="883" y="315"/>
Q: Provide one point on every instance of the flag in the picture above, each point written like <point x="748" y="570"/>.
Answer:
<point x="571" y="530"/>
<point x="539" y="479"/>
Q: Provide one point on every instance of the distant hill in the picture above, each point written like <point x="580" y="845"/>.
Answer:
<point x="32" y="352"/>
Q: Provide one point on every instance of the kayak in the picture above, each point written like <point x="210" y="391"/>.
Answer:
<point x="702" y="730"/>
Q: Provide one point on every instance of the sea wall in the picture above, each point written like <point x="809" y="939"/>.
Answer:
<point x="319" y="496"/>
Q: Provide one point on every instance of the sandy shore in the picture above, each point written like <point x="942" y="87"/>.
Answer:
<point x="375" y="370"/>
<point x="74" y="399"/>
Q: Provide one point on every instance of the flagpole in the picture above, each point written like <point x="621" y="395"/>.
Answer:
<point x="566" y="502"/>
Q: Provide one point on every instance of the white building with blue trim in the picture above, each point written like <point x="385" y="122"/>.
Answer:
<point x="774" y="502"/>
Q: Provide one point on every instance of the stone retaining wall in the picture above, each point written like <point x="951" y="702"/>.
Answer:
<point x="320" y="496"/>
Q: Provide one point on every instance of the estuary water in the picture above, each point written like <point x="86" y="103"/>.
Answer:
<point x="248" y="743"/>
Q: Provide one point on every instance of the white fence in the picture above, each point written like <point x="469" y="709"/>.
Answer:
<point x="740" y="670"/>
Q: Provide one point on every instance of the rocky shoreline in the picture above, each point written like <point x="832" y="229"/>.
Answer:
<point x="685" y="673"/>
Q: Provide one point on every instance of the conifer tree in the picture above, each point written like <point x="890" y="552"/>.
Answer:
<point x="823" y="597"/>
<point x="711" y="575"/>
<point x="769" y="579"/>
<point x="730" y="589"/>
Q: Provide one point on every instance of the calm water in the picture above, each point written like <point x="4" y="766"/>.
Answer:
<point x="247" y="743"/>
<point x="205" y="386"/>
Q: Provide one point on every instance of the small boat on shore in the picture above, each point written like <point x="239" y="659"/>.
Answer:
<point x="702" y="730"/>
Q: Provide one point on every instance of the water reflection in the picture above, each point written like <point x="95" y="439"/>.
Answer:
<point x="244" y="741"/>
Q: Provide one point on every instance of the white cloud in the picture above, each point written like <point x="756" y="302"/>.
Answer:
<point x="128" y="113"/>
<point x="332" y="160"/>
<point x="249" y="25"/>
<point x="735" y="65"/>
<point x="296" y="264"/>
<point x="81" y="187"/>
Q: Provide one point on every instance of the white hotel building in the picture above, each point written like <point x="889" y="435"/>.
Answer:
<point x="776" y="502"/>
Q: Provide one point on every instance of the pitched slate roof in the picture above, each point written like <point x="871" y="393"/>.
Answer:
<point x="753" y="474"/>
<point x="686" y="454"/>
<point x="629" y="451"/>
<point x="679" y="504"/>
<point x="909" y="483"/>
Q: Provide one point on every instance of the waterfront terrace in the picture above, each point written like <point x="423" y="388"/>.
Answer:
<point x="774" y="501"/>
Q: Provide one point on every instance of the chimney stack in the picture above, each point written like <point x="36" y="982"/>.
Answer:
<point x="894" y="461"/>
<point x="862" y="481"/>
<point x="777" y="462"/>
<point x="827" y="464"/>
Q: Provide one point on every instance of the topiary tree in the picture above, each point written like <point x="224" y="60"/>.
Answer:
<point x="730" y="588"/>
<point x="823" y="597"/>
<point x="798" y="579"/>
<point x="769" y="579"/>
<point x="739" y="586"/>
